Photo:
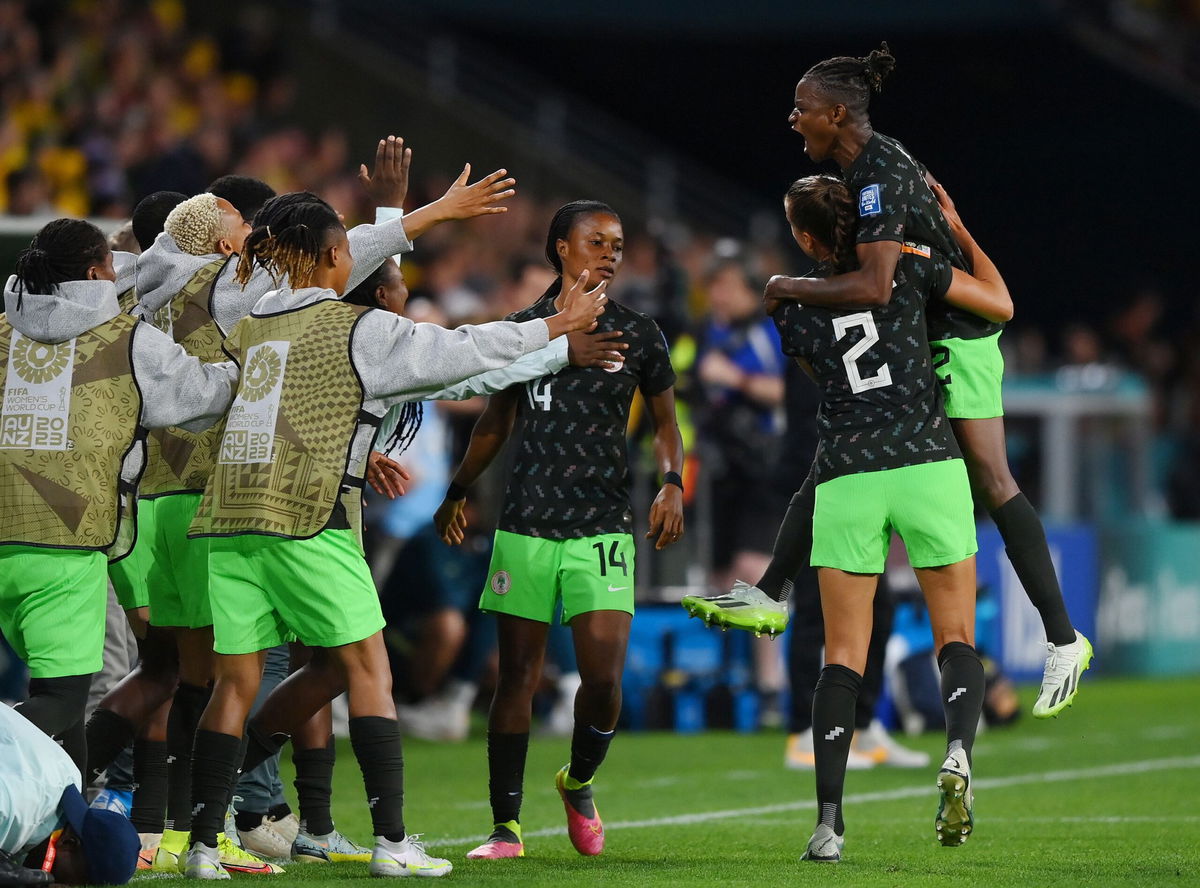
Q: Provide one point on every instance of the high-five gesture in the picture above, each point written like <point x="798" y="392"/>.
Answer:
<point x="463" y="201"/>
<point x="580" y="308"/>
<point x="388" y="182"/>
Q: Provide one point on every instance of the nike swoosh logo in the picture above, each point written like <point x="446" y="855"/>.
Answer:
<point x="617" y="588"/>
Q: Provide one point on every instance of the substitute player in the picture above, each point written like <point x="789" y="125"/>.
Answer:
<point x="895" y="204"/>
<point x="565" y="528"/>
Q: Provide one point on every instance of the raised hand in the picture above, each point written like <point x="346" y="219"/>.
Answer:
<point x="596" y="349"/>
<point x="463" y="201"/>
<point x="388" y="182"/>
<point x="580" y="308"/>
<point x="386" y="475"/>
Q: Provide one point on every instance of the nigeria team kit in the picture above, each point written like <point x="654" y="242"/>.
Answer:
<point x="896" y="204"/>
<point x="566" y="526"/>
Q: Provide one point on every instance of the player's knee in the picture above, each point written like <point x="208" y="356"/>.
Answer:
<point x="519" y="680"/>
<point x="601" y="688"/>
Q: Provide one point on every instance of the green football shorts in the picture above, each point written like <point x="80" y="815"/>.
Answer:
<point x="528" y="575"/>
<point x="928" y="505"/>
<point x="128" y="575"/>
<point x="177" y="569"/>
<point x="52" y="606"/>
<point x="971" y="372"/>
<point x="267" y="590"/>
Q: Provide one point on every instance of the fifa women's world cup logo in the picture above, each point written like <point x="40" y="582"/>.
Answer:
<point x="39" y="362"/>
<point x="263" y="371"/>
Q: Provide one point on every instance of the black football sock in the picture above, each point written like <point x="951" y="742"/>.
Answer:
<point x="56" y="706"/>
<point x="793" y="544"/>
<point x="260" y="746"/>
<point x="182" y="721"/>
<point x="376" y="743"/>
<point x="1025" y="543"/>
<point x="506" y="774"/>
<point x="150" y="787"/>
<point x="107" y="734"/>
<point x="589" y="746"/>
<point x="962" y="693"/>
<point x="833" y="726"/>
<point x="314" y="787"/>
<point x="214" y="762"/>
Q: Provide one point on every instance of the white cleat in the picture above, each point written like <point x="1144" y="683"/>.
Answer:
<point x="204" y="862"/>
<point x="825" y="846"/>
<point x="955" y="816"/>
<point x="266" y="840"/>
<point x="875" y="743"/>
<point x="742" y="607"/>
<point x="1065" y="665"/>
<point x="406" y="858"/>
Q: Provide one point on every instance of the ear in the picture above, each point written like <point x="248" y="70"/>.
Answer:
<point x="381" y="297"/>
<point x="808" y="243"/>
<point x="838" y="114"/>
<point x="561" y="247"/>
<point x="224" y="247"/>
<point x="93" y="273"/>
<point x="333" y="255"/>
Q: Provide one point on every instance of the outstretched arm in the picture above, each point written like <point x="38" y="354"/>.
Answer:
<point x="869" y="286"/>
<point x="983" y="293"/>
<point x="463" y="201"/>
<point x="487" y="440"/>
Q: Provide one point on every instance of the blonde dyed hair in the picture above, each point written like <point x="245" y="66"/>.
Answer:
<point x="196" y="225"/>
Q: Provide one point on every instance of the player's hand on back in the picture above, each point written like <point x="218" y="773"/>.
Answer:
<point x="388" y="182"/>
<point x="451" y="521"/>
<point x="483" y="198"/>
<point x="596" y="349"/>
<point x="943" y="198"/>
<point x="580" y="308"/>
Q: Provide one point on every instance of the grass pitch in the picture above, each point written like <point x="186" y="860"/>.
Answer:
<point x="1106" y="794"/>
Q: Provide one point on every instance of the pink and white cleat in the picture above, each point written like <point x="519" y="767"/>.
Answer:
<point x="503" y="843"/>
<point x="583" y="820"/>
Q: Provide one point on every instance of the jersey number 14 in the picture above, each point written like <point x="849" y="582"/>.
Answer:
<point x="538" y="392"/>
<point x="859" y="383"/>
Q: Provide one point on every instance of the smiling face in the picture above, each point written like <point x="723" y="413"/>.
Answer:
<point x="596" y="244"/>
<point x="816" y="119"/>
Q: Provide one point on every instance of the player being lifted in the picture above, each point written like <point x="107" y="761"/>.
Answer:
<point x="895" y="204"/>
<point x="565" y="528"/>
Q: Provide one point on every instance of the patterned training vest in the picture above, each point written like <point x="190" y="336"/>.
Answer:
<point x="69" y="416"/>
<point x="179" y="461"/>
<point x="281" y="466"/>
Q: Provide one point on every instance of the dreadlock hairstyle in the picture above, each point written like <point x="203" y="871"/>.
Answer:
<point x="63" y="250"/>
<point x="288" y="234"/>
<point x="407" y="426"/>
<point x="850" y="81"/>
<point x="822" y="206"/>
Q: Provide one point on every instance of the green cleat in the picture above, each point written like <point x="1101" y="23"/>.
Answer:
<point x="743" y="607"/>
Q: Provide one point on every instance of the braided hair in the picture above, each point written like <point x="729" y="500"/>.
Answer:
<point x="289" y="232"/>
<point x="63" y="250"/>
<point x="822" y="206"/>
<point x="850" y="81"/>
<point x="564" y="220"/>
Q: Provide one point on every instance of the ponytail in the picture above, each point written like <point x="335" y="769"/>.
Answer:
<point x="822" y="206"/>
<point x="287" y="237"/>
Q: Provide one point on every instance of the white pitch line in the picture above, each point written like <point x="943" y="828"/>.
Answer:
<point x="889" y="795"/>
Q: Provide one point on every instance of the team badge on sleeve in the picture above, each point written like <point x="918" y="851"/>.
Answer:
<point x="870" y="202"/>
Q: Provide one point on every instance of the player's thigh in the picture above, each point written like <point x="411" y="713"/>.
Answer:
<point x="52" y="608"/>
<point x="930" y="507"/>
<point x="596" y="573"/>
<point x="244" y="617"/>
<point x="128" y="575"/>
<point x="851" y="531"/>
<point x="522" y="577"/>
<point x="178" y="572"/>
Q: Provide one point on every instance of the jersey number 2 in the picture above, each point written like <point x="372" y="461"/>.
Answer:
<point x="539" y="393"/>
<point x="864" y="319"/>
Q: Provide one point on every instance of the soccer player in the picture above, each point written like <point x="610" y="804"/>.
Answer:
<point x="565" y="528"/>
<point x="283" y="503"/>
<point x="83" y="381"/>
<point x="887" y="460"/>
<point x="896" y="204"/>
